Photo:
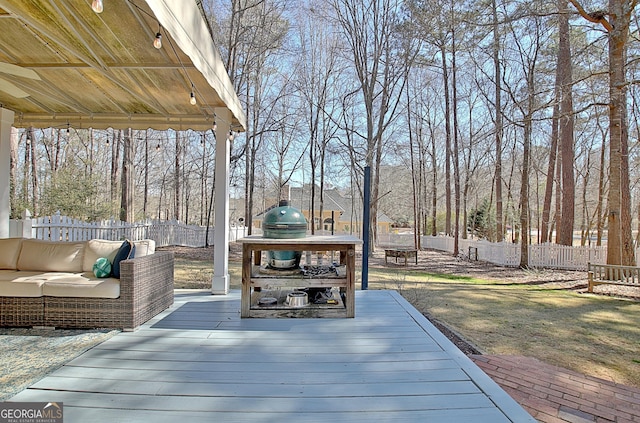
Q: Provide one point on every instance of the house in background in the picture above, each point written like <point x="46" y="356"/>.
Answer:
<point x="340" y="214"/>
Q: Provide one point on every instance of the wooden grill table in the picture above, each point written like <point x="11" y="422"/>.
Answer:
<point x="254" y="275"/>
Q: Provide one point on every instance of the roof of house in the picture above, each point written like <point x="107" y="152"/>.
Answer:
<point x="300" y="198"/>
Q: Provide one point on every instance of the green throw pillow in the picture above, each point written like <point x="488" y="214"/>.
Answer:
<point x="102" y="268"/>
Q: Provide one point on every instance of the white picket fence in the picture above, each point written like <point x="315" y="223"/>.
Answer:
<point x="547" y="255"/>
<point x="169" y="233"/>
<point x="163" y="232"/>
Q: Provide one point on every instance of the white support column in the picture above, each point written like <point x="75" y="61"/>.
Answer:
<point x="220" y="283"/>
<point x="6" y="121"/>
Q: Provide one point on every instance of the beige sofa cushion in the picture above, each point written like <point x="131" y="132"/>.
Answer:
<point x="97" y="248"/>
<point x="9" y="252"/>
<point x="49" y="256"/>
<point x="145" y="247"/>
<point x="80" y="285"/>
<point x="20" y="284"/>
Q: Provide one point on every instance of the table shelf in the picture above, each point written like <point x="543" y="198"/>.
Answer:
<point x="281" y="309"/>
<point x="255" y="279"/>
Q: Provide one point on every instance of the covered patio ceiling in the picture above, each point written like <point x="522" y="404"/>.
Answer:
<point x="63" y="64"/>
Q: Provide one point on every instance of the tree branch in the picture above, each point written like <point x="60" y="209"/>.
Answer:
<point x="598" y="16"/>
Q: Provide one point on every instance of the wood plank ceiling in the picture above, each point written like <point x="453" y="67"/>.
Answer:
<point x="62" y="64"/>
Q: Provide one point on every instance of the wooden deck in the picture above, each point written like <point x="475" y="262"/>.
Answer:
<point x="199" y="362"/>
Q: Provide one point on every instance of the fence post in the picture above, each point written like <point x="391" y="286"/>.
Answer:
<point x="26" y="225"/>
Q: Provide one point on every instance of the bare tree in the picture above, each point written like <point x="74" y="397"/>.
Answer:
<point x="379" y="63"/>
<point x="316" y="81"/>
<point x="255" y="31"/>
<point x="616" y="21"/>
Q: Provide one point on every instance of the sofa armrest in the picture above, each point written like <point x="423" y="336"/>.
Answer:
<point x="147" y="282"/>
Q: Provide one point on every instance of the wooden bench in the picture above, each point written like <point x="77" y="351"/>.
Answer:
<point x="599" y="274"/>
<point x="401" y="252"/>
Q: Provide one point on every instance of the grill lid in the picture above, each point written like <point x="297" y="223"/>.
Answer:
<point x="284" y="218"/>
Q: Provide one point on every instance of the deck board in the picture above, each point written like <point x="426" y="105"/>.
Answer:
<point x="200" y="362"/>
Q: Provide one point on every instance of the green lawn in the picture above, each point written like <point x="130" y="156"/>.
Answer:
<point x="595" y="335"/>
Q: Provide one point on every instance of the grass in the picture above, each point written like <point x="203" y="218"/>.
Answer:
<point x="197" y="274"/>
<point x="594" y="335"/>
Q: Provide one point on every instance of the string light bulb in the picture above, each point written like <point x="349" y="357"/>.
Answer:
<point x="97" y="6"/>
<point x="157" y="42"/>
<point x="192" y="99"/>
<point x="158" y="147"/>
<point x="215" y="125"/>
<point x="230" y="136"/>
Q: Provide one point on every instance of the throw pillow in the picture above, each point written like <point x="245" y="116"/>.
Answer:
<point x="102" y="268"/>
<point x="126" y="251"/>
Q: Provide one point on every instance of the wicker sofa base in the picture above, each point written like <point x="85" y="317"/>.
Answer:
<point x="146" y="289"/>
<point x="21" y="312"/>
<point x="100" y="313"/>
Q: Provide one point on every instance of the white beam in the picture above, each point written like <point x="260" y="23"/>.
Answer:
<point x="220" y="283"/>
<point x="189" y="30"/>
<point x="6" y="120"/>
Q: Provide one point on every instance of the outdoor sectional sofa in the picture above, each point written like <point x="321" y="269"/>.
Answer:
<point x="52" y="284"/>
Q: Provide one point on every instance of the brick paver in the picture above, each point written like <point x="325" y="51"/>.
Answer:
<point x="555" y="395"/>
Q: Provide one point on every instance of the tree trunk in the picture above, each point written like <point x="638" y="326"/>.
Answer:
<point x="599" y="212"/>
<point x="456" y="152"/>
<point x="619" y="239"/>
<point x="312" y="161"/>
<point x="434" y="187"/>
<point x="26" y="167"/>
<point x="34" y="176"/>
<point x="415" y="194"/>
<point x="545" y="235"/>
<point x="126" y="202"/>
<point x="498" y="120"/>
<point x="145" y="201"/>
<point x="115" y="163"/>
<point x="524" y="188"/>
<point x="177" y="179"/>
<point x="13" y="162"/>
<point x="620" y="242"/>
<point x="585" y="224"/>
<point x="447" y="154"/>
<point x="567" y="216"/>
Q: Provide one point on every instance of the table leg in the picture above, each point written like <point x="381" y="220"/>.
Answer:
<point x="351" y="278"/>
<point x="245" y="296"/>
